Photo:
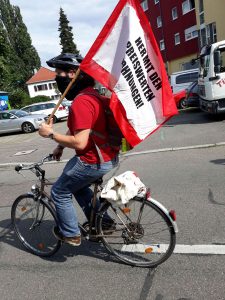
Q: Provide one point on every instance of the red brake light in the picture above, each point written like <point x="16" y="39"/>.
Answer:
<point x="173" y="215"/>
<point x="62" y="107"/>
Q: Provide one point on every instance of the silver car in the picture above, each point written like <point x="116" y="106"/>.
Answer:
<point x="19" y="120"/>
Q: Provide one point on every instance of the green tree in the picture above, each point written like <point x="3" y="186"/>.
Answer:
<point x="66" y="35"/>
<point x="18" y="57"/>
<point x="23" y="46"/>
<point x="4" y="53"/>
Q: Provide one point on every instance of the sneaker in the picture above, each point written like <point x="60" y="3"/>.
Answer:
<point x="73" y="241"/>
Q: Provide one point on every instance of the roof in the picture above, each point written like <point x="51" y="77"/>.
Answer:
<point x="43" y="74"/>
<point x="44" y="102"/>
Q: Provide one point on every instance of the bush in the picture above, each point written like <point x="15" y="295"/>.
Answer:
<point x="37" y="99"/>
<point x="18" y="98"/>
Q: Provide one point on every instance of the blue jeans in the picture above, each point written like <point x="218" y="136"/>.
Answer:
<point x="75" y="180"/>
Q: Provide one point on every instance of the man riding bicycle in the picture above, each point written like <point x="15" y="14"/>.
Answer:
<point x="86" y="114"/>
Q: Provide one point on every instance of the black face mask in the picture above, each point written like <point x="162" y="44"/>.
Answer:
<point x="62" y="83"/>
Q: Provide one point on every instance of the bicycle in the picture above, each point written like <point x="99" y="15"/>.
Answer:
<point x="143" y="232"/>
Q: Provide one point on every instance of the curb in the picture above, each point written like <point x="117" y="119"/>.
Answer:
<point x="130" y="154"/>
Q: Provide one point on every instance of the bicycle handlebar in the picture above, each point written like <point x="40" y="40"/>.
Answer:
<point x="20" y="167"/>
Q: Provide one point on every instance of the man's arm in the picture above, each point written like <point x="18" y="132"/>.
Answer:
<point x="78" y="141"/>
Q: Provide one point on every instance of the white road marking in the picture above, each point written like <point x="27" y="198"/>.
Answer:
<point x="179" y="249"/>
<point x="24" y="152"/>
<point x="200" y="249"/>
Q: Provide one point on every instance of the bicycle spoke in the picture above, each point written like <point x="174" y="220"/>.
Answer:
<point x="145" y="243"/>
<point x="33" y="223"/>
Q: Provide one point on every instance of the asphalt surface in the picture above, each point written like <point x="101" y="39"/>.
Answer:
<point x="189" y="181"/>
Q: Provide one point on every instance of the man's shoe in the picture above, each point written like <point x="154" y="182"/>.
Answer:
<point x="73" y="241"/>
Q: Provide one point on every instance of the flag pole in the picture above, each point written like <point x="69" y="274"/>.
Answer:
<point x="63" y="95"/>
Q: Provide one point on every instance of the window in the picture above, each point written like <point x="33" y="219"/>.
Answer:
<point x="185" y="78"/>
<point x="187" y="6"/>
<point x="156" y="1"/>
<point x="214" y="32"/>
<point x="55" y="97"/>
<point x="5" y="116"/>
<point x="201" y="13"/>
<point x="201" y="6"/>
<point x="162" y="45"/>
<point x="41" y="87"/>
<point x="27" y="109"/>
<point x="211" y="36"/>
<point x="174" y="13"/>
<point x="222" y="59"/>
<point x="204" y="67"/>
<point x="177" y="38"/>
<point x="203" y="37"/>
<point x="201" y="18"/>
<point x="144" y="5"/>
<point x="159" y="21"/>
<point x="36" y="108"/>
<point x="191" y="33"/>
<point x="49" y="105"/>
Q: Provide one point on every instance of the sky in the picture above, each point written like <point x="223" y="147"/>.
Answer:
<point x="87" y="17"/>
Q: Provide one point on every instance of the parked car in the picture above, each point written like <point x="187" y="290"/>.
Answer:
<point x="67" y="103"/>
<point x="47" y="108"/>
<point x="180" y="99"/>
<point x="19" y="120"/>
<point x="192" y="95"/>
<point x="181" y="80"/>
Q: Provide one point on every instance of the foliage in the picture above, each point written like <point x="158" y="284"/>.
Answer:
<point x="18" y="98"/>
<point x="18" y="57"/>
<point x="66" y="35"/>
<point x="37" y="99"/>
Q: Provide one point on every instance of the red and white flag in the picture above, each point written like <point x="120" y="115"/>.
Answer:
<point x="125" y="58"/>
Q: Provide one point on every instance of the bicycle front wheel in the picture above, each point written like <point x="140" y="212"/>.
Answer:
<point x="33" y="222"/>
<point x="142" y="235"/>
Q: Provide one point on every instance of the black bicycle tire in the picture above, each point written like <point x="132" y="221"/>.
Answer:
<point x="135" y="263"/>
<point x="25" y="243"/>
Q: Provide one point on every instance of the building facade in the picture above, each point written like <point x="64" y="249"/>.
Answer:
<point x="210" y="21"/>
<point x="175" y="28"/>
<point x="43" y="84"/>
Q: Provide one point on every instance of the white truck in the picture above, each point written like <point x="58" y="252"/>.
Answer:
<point x="211" y="79"/>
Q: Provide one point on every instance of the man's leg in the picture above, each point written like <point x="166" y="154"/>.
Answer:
<point x="75" y="177"/>
<point x="84" y="197"/>
<point x="66" y="213"/>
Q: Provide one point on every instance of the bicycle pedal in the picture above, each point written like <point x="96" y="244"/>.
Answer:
<point x="94" y="239"/>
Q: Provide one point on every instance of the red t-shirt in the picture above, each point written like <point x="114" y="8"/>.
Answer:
<point x="87" y="112"/>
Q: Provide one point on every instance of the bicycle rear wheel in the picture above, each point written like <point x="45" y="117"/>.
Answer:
<point x="142" y="236"/>
<point x="33" y="222"/>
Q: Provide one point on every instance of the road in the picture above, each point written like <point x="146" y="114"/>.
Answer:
<point x="191" y="181"/>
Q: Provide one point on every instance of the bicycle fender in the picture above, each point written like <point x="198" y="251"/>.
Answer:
<point x="165" y="210"/>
